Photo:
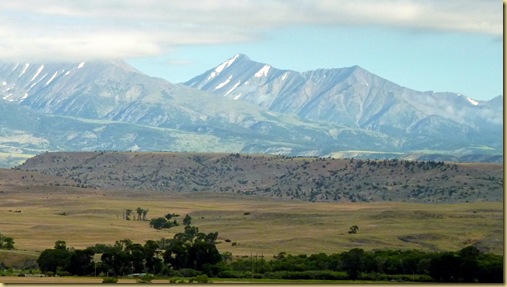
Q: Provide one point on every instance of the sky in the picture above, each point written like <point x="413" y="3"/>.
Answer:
<point x="444" y="46"/>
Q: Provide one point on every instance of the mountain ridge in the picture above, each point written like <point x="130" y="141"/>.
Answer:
<point x="353" y="75"/>
<point x="281" y="177"/>
<point x="74" y="106"/>
<point x="350" y="96"/>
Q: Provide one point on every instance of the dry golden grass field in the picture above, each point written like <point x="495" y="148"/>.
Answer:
<point x="38" y="216"/>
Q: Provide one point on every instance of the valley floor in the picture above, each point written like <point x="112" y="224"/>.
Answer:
<point x="36" y="217"/>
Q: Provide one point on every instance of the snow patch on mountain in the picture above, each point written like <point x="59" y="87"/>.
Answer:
<point x="24" y="69"/>
<point x="230" y="61"/>
<point x="52" y="78"/>
<point x="221" y="85"/>
<point x="37" y="73"/>
<point x="263" y="71"/>
<point x="31" y="86"/>
<point x="473" y="102"/>
<point x="223" y="66"/>
<point x="232" y="89"/>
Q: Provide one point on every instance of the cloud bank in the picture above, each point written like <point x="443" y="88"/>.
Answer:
<point x="74" y="30"/>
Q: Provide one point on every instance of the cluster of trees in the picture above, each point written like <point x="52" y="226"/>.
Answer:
<point x="61" y="259"/>
<point x="169" y="221"/>
<point x="190" y="249"/>
<point x="141" y="213"/>
<point x="6" y="242"/>
<point x="191" y="253"/>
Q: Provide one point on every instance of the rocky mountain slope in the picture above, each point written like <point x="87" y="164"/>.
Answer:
<point x="108" y="105"/>
<point x="354" y="97"/>
<point x="290" y="178"/>
<point x="111" y="106"/>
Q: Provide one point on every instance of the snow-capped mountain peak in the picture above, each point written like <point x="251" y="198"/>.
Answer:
<point x="77" y="88"/>
<point x="351" y="96"/>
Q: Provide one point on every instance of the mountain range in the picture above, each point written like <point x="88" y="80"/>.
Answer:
<point x="356" y="98"/>
<point x="238" y="106"/>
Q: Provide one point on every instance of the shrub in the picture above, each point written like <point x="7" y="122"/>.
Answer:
<point x="213" y="270"/>
<point x="188" y="272"/>
<point x="110" y="280"/>
<point x="175" y="280"/>
<point x="63" y="273"/>
<point x="145" y="279"/>
<point x="199" y="279"/>
<point x="50" y="274"/>
<point x="396" y="277"/>
<point x="234" y="274"/>
<point x="309" y="274"/>
<point x="166" y="271"/>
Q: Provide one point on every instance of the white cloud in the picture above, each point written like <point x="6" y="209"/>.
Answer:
<point x="69" y="29"/>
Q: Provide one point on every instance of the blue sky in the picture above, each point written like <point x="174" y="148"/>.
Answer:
<point x="452" y="45"/>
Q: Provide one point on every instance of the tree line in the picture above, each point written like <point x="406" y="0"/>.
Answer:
<point x="192" y="253"/>
<point x="466" y="265"/>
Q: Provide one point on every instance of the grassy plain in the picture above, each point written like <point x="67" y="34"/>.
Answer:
<point x="38" y="216"/>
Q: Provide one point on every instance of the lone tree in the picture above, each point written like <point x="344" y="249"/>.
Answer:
<point x="353" y="229"/>
<point x="128" y="212"/>
<point x="158" y="223"/>
<point x="61" y="245"/>
<point x="145" y="211"/>
<point x="187" y="220"/>
<point x="139" y="212"/>
<point x="6" y="242"/>
<point x="169" y="216"/>
<point x="161" y="222"/>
